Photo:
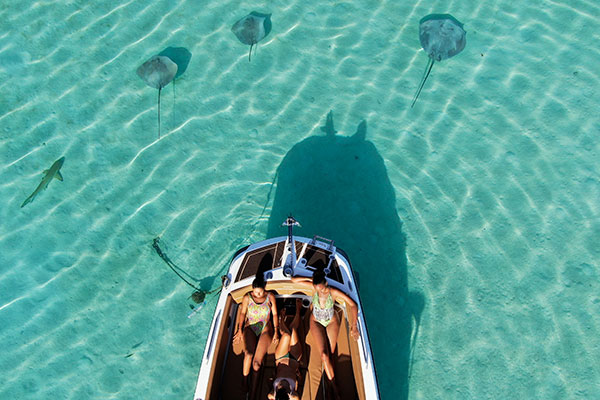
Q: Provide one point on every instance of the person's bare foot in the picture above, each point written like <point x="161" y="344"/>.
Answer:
<point x="296" y="320"/>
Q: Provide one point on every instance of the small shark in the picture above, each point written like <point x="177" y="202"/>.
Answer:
<point x="53" y="172"/>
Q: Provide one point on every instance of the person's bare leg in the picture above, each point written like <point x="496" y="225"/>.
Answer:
<point x="333" y="330"/>
<point x="249" y="343"/>
<point x="283" y="328"/>
<point x="295" y="348"/>
<point x="284" y="341"/>
<point x="264" y="341"/>
<point x="319" y="334"/>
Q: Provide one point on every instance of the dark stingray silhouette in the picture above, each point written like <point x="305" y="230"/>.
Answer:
<point x="442" y="36"/>
<point x="180" y="56"/>
<point x="338" y="187"/>
<point x="157" y="72"/>
<point x="252" y="29"/>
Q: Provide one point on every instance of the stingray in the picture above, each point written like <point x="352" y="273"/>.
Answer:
<point x="442" y="36"/>
<point x="180" y="56"/>
<point x="253" y="28"/>
<point x="157" y="72"/>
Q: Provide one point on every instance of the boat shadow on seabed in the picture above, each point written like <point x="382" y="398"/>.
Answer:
<point x="338" y="187"/>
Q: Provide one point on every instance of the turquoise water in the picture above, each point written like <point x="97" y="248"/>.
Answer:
<point x="472" y="218"/>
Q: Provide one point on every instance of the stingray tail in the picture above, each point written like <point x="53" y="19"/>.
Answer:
<point x="250" y="52"/>
<point x="425" y="76"/>
<point x="174" y="98"/>
<point x="159" y="89"/>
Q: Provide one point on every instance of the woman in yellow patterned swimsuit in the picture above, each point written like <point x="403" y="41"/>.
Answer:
<point x="255" y="329"/>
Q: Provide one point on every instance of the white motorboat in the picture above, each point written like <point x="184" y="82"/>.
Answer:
<point x="278" y="259"/>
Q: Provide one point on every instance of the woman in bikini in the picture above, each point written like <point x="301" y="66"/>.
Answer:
<point x="324" y="324"/>
<point x="255" y="330"/>
<point x="287" y="356"/>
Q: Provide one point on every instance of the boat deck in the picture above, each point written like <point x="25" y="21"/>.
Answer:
<point x="221" y="375"/>
<point x="312" y="376"/>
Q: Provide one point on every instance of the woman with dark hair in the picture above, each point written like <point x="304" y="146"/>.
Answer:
<point x="287" y="356"/>
<point x="324" y="323"/>
<point x="255" y="330"/>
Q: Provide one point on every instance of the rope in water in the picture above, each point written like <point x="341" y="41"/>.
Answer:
<point x="199" y="294"/>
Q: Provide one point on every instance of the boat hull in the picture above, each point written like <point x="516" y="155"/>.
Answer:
<point x="277" y="259"/>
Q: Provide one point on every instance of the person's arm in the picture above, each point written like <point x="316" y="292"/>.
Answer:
<point x="241" y="318"/>
<point x="302" y="280"/>
<point x="353" y="312"/>
<point x="275" y="317"/>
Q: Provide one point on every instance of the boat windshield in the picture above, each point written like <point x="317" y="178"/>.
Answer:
<point x="269" y="257"/>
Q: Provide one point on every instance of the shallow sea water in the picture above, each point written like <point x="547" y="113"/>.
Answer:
<point x="472" y="219"/>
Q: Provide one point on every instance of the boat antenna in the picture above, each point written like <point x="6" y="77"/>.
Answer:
<point x="199" y="294"/>
<point x="290" y="262"/>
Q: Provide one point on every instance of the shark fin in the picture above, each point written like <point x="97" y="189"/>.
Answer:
<point x="58" y="176"/>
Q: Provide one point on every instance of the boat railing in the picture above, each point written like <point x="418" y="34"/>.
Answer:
<point x="323" y="240"/>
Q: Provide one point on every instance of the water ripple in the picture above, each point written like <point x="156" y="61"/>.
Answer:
<point x="494" y="171"/>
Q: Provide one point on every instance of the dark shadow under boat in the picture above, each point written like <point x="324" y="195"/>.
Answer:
<point x="338" y="187"/>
